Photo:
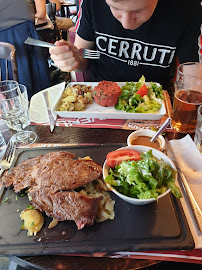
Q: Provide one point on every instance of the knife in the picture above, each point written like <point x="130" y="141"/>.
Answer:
<point x="183" y="181"/>
<point x="50" y="114"/>
<point x="40" y="43"/>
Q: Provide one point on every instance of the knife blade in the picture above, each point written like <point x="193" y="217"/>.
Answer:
<point x="50" y="114"/>
<point x="184" y="184"/>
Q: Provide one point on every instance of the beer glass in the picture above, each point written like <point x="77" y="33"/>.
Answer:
<point x="14" y="110"/>
<point x="188" y="97"/>
<point x="198" y="133"/>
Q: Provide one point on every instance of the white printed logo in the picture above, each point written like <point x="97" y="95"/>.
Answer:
<point x="134" y="52"/>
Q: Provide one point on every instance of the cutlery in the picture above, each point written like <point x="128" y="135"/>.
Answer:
<point x="48" y="107"/>
<point x="7" y="158"/>
<point x="85" y="53"/>
<point x="161" y="129"/>
<point x="193" y="204"/>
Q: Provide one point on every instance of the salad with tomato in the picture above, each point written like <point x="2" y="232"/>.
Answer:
<point x="140" y="176"/>
<point x="139" y="98"/>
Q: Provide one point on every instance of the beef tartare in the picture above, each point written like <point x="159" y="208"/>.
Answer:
<point x="107" y="93"/>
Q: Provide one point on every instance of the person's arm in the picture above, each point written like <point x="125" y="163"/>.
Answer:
<point x="58" y="4"/>
<point x="66" y="55"/>
<point x="40" y="9"/>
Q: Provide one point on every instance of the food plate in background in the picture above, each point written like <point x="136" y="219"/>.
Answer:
<point x="157" y="226"/>
<point x="95" y="111"/>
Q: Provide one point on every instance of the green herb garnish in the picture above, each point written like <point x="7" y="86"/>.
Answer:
<point x="6" y="199"/>
<point x="31" y="207"/>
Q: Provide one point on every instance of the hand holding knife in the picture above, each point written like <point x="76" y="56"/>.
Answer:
<point x="50" y="114"/>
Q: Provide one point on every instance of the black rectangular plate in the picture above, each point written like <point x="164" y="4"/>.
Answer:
<point x="159" y="225"/>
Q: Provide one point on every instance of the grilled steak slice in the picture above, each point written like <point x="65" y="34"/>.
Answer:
<point x="74" y="206"/>
<point x="21" y="176"/>
<point x="41" y="199"/>
<point x="67" y="205"/>
<point x="56" y="170"/>
<point x="26" y="174"/>
<point x="67" y="175"/>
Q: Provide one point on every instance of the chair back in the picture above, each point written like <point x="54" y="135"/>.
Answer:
<point x="7" y="54"/>
<point x="51" y="11"/>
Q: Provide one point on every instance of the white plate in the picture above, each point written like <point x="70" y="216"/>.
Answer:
<point x="95" y="111"/>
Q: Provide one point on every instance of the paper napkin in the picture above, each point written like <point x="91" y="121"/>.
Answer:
<point x="37" y="111"/>
<point x="190" y="162"/>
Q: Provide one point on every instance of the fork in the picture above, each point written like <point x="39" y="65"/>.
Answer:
<point x="85" y="53"/>
<point x="7" y="158"/>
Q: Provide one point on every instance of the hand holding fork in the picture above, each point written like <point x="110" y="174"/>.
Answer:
<point x="65" y="55"/>
<point x="85" y="53"/>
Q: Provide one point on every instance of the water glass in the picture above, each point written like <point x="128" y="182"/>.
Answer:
<point x="25" y="104"/>
<point x="198" y="132"/>
<point x="14" y="109"/>
<point x="188" y="97"/>
<point x="2" y="145"/>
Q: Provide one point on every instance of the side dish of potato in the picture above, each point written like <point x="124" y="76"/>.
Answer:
<point x="75" y="98"/>
<point x="33" y="221"/>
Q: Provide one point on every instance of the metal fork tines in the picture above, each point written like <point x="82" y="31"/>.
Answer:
<point x="7" y="158"/>
<point x="91" y="54"/>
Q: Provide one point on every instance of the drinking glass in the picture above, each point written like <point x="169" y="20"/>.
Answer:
<point x="14" y="109"/>
<point x="188" y="97"/>
<point x="198" y="133"/>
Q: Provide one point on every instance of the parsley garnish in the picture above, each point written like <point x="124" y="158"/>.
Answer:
<point x="5" y="200"/>
<point x="31" y="207"/>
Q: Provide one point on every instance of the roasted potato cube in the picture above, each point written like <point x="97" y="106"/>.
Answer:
<point x="89" y="95"/>
<point x="79" y="106"/>
<point x="68" y="91"/>
<point x="64" y="106"/>
<point x="33" y="221"/>
<point x="69" y="99"/>
<point x="71" y="106"/>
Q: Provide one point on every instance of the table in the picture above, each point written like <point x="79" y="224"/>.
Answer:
<point x="74" y="135"/>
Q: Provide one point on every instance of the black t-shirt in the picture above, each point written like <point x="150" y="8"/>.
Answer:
<point x="150" y="50"/>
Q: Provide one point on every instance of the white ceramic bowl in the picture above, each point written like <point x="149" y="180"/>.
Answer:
<point x="141" y="149"/>
<point x="148" y="133"/>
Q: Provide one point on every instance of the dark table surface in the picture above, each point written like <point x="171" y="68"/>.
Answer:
<point x="72" y="135"/>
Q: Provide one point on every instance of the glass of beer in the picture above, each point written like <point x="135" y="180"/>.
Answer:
<point x="198" y="132"/>
<point x="188" y="97"/>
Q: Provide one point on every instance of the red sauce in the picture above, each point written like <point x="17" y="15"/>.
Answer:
<point x="145" y="140"/>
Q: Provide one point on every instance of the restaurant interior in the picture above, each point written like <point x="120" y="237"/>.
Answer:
<point x="96" y="174"/>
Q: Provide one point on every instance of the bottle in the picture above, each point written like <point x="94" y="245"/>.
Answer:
<point x="2" y="145"/>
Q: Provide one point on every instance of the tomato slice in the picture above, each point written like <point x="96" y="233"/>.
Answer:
<point x="142" y="91"/>
<point x="116" y="157"/>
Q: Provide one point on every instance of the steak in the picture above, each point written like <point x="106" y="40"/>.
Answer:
<point x="51" y="179"/>
<point x="72" y="204"/>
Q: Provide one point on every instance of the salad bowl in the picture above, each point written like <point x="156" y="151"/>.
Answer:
<point x="141" y="149"/>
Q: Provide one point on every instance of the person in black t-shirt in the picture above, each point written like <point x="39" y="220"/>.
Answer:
<point x="135" y="38"/>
